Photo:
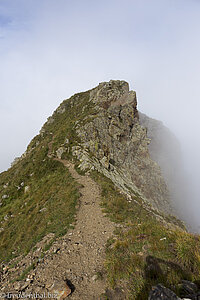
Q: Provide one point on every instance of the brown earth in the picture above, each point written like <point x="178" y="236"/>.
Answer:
<point x="76" y="259"/>
<point x="81" y="254"/>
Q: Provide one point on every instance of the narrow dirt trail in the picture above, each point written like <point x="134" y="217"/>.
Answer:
<point x="81" y="251"/>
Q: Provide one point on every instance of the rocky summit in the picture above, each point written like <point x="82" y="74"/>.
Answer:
<point x="119" y="144"/>
<point x="87" y="212"/>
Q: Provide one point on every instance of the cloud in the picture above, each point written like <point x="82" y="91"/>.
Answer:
<point x="52" y="49"/>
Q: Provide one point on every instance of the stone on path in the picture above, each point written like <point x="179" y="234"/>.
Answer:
<point x="60" y="289"/>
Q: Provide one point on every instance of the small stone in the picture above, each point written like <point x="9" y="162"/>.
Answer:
<point x="67" y="141"/>
<point x="17" y="286"/>
<point x="43" y="209"/>
<point x="59" y="152"/>
<point x="61" y="289"/>
<point x="26" y="189"/>
<point x="25" y="286"/>
<point x="95" y="277"/>
<point x="5" y="269"/>
<point x="56" y="250"/>
<point x="29" y="279"/>
<point x="6" y="217"/>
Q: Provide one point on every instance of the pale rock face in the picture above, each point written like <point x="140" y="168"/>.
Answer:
<point x="59" y="152"/>
<point x="119" y="143"/>
<point x="114" y="93"/>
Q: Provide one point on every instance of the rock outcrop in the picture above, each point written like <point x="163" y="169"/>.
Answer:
<point x="114" y="142"/>
<point x="188" y="289"/>
<point x="159" y="292"/>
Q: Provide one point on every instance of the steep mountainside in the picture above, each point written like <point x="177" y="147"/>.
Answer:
<point x="165" y="149"/>
<point x="93" y="150"/>
<point x="111" y="140"/>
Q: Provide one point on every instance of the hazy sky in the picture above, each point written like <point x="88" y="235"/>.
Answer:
<point x="50" y="49"/>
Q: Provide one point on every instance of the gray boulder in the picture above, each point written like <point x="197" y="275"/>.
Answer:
<point x="160" y="292"/>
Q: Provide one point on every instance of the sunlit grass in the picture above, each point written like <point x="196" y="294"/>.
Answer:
<point x="41" y="195"/>
<point x="145" y="252"/>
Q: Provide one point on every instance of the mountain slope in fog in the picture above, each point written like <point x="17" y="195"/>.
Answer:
<point x="165" y="149"/>
<point x="95" y="149"/>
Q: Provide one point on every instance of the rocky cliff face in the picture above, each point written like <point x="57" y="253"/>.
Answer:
<point x="115" y="143"/>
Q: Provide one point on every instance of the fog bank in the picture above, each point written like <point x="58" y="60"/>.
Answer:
<point x="50" y="50"/>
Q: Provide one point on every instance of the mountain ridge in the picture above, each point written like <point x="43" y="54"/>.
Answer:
<point x="99" y="133"/>
<point x="116" y="106"/>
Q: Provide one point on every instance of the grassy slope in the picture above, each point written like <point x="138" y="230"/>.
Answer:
<point x="51" y="187"/>
<point x="145" y="252"/>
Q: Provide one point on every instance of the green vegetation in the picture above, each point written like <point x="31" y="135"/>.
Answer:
<point x="145" y="252"/>
<point x="38" y="194"/>
<point x="48" y="246"/>
<point x="25" y="272"/>
<point x="78" y="111"/>
<point x="47" y="206"/>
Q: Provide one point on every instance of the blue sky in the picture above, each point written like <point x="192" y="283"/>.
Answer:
<point x="51" y="49"/>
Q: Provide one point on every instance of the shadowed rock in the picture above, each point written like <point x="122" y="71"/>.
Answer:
<point x="159" y="292"/>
